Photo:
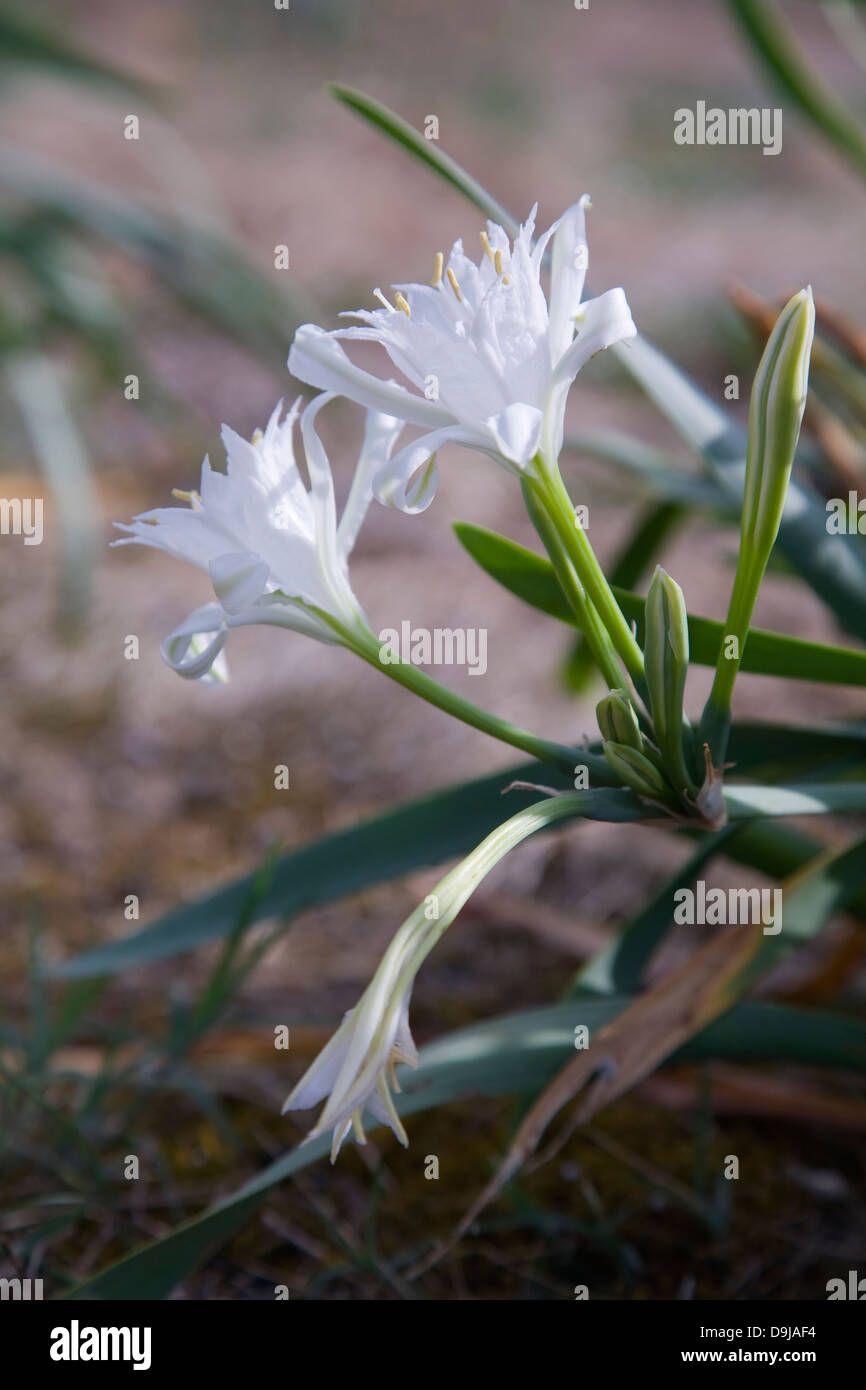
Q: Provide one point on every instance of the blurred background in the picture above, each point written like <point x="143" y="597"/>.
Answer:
<point x="154" y="258"/>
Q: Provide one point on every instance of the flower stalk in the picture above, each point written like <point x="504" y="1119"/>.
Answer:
<point x="367" y="646"/>
<point x="775" y="414"/>
<point x="356" y="1069"/>
<point x="551" y="493"/>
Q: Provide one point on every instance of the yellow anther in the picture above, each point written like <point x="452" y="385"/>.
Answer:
<point x="485" y="242"/>
<point x="437" y="270"/>
<point x="452" y="280"/>
<point x="185" y="496"/>
<point x="257" y="435"/>
<point x="402" y="304"/>
<point x="497" y="262"/>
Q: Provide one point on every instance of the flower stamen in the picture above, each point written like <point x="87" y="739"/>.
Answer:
<point x="402" y="303"/>
<point x="182" y="496"/>
<point x="452" y="280"/>
<point x="384" y="300"/>
<point x="437" y="270"/>
<point x="485" y="242"/>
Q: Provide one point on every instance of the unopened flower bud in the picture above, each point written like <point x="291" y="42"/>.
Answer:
<point x="775" y="414"/>
<point x="636" y="770"/>
<point x="617" y="720"/>
<point x="666" y="654"/>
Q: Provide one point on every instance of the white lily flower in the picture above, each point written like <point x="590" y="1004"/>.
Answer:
<point x="492" y="356"/>
<point x="272" y="547"/>
<point x="356" y="1069"/>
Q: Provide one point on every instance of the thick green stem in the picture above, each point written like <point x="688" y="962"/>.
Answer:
<point x="716" y="719"/>
<point x="553" y="496"/>
<point x="596" y="634"/>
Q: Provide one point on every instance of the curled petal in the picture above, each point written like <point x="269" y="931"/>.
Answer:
<point x="408" y="481"/>
<point x="194" y="649"/>
<point x="601" y="322"/>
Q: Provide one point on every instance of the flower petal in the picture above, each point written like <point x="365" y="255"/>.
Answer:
<point x="601" y="322"/>
<point x="381" y="433"/>
<point x="187" y="650"/>
<point x="317" y="357"/>
<point x="238" y="580"/>
<point x="567" y="274"/>
<point x="517" y="432"/>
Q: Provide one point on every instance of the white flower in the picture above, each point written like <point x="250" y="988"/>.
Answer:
<point x="273" y="548"/>
<point x="356" y="1069"/>
<point x="493" y="358"/>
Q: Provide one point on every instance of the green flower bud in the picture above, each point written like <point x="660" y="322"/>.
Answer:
<point x="775" y="414"/>
<point x="636" y="770"/>
<point x="666" y="655"/>
<point x="617" y="720"/>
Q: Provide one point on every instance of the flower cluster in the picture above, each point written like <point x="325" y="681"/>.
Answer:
<point x="486" y="359"/>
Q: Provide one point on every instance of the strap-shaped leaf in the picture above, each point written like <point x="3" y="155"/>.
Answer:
<point x="507" y="1056"/>
<point x="531" y="577"/>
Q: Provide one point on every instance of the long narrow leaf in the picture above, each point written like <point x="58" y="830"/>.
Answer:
<point x="531" y="577"/>
<point x="506" y="1056"/>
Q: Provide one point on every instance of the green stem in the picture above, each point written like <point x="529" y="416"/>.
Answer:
<point x="595" y="633"/>
<point x="553" y="497"/>
<point x="716" y="719"/>
<point x="367" y="646"/>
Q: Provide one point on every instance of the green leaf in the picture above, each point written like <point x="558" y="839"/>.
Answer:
<point x="619" y="966"/>
<point x="531" y="577"/>
<point x="769" y="38"/>
<point x="23" y="45"/>
<point x="425" y="151"/>
<point x="444" y="825"/>
<point x="507" y="1056"/>
<point x="833" y="566"/>
<point x="38" y="390"/>
<point x="661" y="479"/>
<point x="203" y="268"/>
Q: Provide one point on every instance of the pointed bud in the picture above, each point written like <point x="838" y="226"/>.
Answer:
<point x="666" y="654"/>
<point x="617" y="720"/>
<point x="636" y="770"/>
<point x="775" y="414"/>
